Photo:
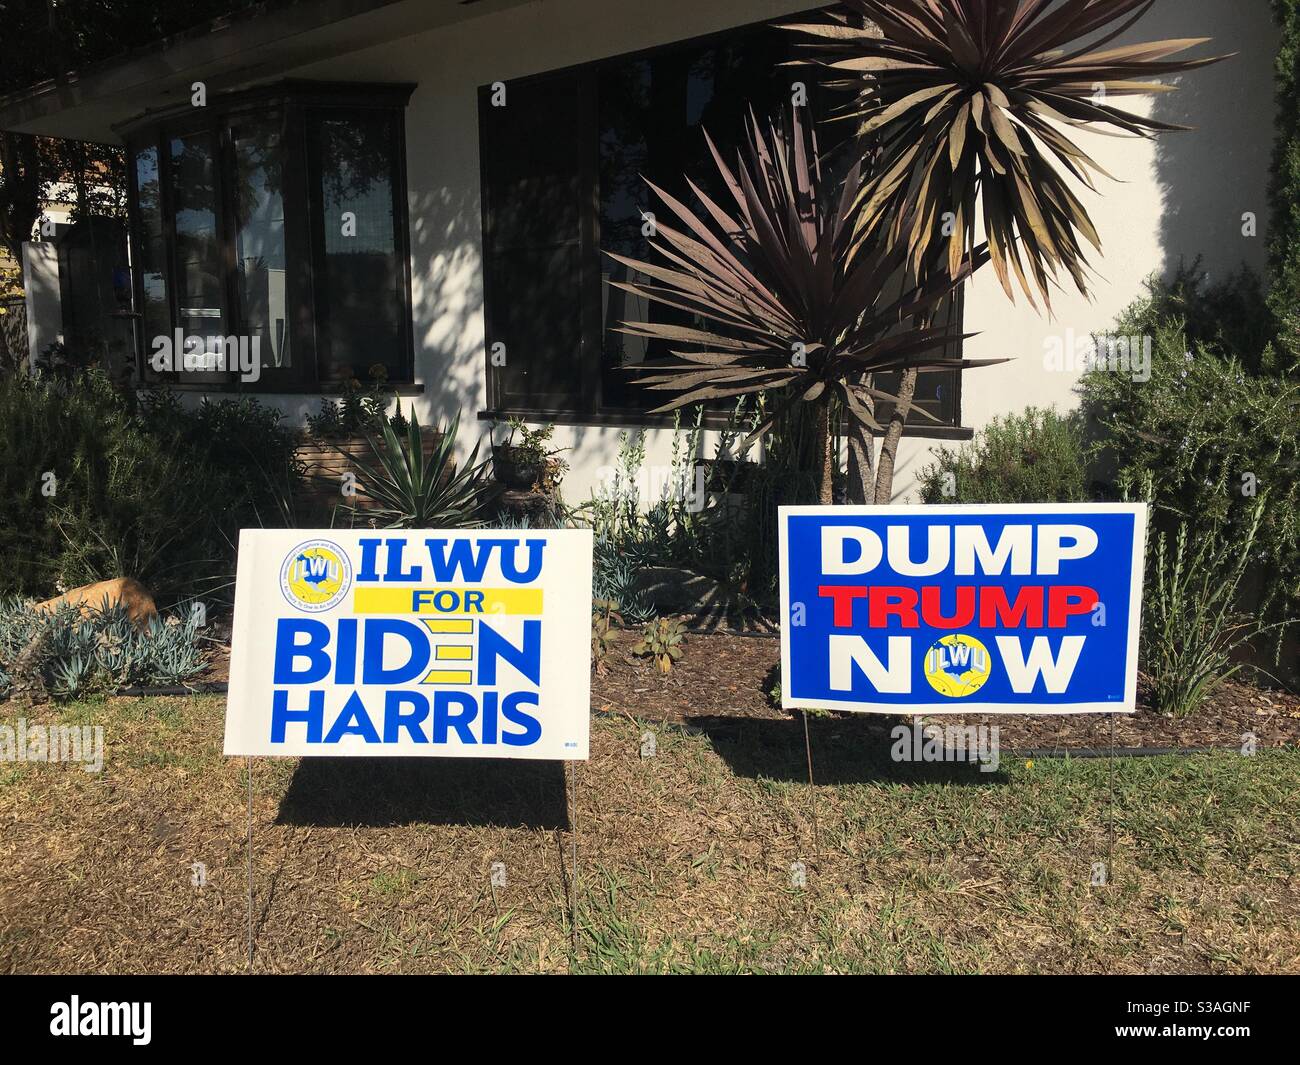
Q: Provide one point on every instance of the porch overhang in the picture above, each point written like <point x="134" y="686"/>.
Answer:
<point x="230" y="54"/>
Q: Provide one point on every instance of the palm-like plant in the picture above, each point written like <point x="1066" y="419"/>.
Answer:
<point x="416" y="491"/>
<point x="779" y="306"/>
<point x="970" y="102"/>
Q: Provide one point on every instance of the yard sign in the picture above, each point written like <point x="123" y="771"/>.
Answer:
<point x="961" y="609"/>
<point x="467" y="644"/>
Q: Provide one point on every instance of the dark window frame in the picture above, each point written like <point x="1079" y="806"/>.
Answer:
<point x="589" y="356"/>
<point x="299" y="104"/>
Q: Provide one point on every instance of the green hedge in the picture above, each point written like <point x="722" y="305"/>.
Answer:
<point x="1034" y="457"/>
<point x="1284" y="184"/>
<point x="96" y="484"/>
<point x="1206" y="436"/>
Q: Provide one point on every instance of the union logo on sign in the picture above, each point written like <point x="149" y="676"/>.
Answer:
<point x="316" y="575"/>
<point x="957" y="665"/>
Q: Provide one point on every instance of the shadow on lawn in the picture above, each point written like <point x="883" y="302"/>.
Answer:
<point x="844" y="751"/>
<point x="384" y="792"/>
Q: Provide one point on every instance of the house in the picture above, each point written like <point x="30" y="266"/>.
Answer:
<point x="426" y="185"/>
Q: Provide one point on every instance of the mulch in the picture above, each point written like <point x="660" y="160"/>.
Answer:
<point x="723" y="675"/>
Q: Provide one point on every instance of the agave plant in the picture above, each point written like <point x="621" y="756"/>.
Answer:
<point x="969" y="102"/>
<point x="784" y="309"/>
<point x="416" y="491"/>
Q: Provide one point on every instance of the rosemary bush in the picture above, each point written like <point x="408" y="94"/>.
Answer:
<point x="1193" y="629"/>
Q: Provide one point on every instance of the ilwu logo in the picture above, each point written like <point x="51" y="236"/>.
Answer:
<point x="316" y="575"/>
<point x="957" y="666"/>
<point x="75" y="1017"/>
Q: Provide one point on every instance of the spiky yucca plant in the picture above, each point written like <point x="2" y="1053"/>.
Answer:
<point x="779" y="305"/>
<point x="416" y="491"/>
<point x="968" y="103"/>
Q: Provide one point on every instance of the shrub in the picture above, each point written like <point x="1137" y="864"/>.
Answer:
<point x="95" y="484"/>
<point x="1229" y="318"/>
<point x="1284" y="183"/>
<point x="1213" y="441"/>
<point x="358" y="410"/>
<point x="1035" y="457"/>
<point x="719" y="517"/>
<point x="1192" y="628"/>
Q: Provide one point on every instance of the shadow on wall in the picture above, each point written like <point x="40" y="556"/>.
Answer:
<point x="447" y="295"/>
<point x="447" y="308"/>
<point x="1210" y="177"/>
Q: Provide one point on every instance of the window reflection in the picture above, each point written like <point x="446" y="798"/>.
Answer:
<point x="259" y="236"/>
<point x="362" y="279"/>
<point x="653" y="113"/>
<point x="151" y="247"/>
<point x="199" y="300"/>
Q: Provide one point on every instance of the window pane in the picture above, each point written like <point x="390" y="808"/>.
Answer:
<point x="155" y="314"/>
<point x="533" y="249"/>
<point x="936" y="392"/>
<point x="653" y="113"/>
<point x="259" y="236"/>
<point x="200" y="275"/>
<point x="360" y="283"/>
<point x="626" y="134"/>
<point x="652" y="116"/>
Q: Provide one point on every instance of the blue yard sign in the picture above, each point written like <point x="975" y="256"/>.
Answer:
<point x="961" y="609"/>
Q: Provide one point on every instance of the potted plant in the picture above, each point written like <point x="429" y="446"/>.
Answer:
<point x="525" y="462"/>
<point x="360" y="409"/>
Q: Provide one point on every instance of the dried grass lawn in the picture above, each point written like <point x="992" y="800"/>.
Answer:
<point x="685" y="857"/>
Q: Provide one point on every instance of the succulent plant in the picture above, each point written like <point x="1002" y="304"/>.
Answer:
<point x="99" y="650"/>
<point x="664" y="640"/>
<point x="416" y="491"/>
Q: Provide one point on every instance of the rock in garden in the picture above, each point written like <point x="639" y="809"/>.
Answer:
<point x="125" y="592"/>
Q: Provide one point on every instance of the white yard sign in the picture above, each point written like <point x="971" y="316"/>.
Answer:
<point x="411" y="643"/>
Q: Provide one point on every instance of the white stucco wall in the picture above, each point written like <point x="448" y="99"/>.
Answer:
<point x="41" y="290"/>
<point x="1182" y="195"/>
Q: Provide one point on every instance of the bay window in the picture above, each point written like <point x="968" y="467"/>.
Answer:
<point x="276" y="217"/>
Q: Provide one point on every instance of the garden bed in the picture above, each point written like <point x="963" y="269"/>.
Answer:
<point x="327" y="461"/>
<point x="729" y="676"/>
<point x="725" y="675"/>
